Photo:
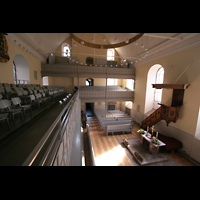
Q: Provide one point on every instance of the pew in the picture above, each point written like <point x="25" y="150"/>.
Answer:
<point x="110" y="123"/>
<point x="119" y="128"/>
<point x="113" y="119"/>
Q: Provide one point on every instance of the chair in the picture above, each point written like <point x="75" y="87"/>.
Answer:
<point x="4" y="116"/>
<point x="40" y="98"/>
<point x="34" y="100"/>
<point x="5" y="105"/>
<point x="17" y="102"/>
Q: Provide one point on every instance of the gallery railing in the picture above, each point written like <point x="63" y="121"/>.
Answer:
<point x="55" y="148"/>
<point x="100" y="95"/>
<point x="69" y="70"/>
<point x="91" y="151"/>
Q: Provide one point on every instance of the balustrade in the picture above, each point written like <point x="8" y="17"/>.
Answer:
<point x="62" y="140"/>
<point x="85" y="71"/>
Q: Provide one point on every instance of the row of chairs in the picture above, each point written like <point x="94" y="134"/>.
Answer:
<point x="9" y="108"/>
<point x="24" y="90"/>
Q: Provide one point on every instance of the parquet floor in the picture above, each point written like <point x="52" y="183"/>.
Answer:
<point x="108" y="152"/>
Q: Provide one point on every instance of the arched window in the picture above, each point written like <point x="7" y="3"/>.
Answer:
<point x="158" y="92"/>
<point x="66" y="50"/>
<point x="110" y="54"/>
<point x="15" y="73"/>
<point x="21" y="70"/>
<point x="153" y="96"/>
<point x="89" y="82"/>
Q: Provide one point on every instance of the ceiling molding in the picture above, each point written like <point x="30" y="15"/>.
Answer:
<point x="170" y="47"/>
<point x="26" y="44"/>
<point x="25" y="38"/>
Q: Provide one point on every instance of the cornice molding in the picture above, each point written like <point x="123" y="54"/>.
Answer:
<point x="25" y="43"/>
<point x="170" y="47"/>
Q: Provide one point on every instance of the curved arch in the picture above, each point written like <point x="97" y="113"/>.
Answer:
<point x="151" y="79"/>
<point x="22" y="69"/>
<point x="106" y="46"/>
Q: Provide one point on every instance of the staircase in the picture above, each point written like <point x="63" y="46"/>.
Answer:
<point x="168" y="113"/>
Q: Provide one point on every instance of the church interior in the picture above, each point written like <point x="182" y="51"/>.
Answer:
<point x="90" y="99"/>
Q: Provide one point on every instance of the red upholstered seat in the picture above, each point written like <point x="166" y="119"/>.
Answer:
<point x="171" y="143"/>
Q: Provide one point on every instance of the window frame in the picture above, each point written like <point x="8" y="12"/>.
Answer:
<point x="111" y="57"/>
<point x="63" y="51"/>
<point x="158" y="92"/>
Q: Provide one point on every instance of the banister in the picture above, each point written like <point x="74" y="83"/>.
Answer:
<point x="91" y="151"/>
<point x="59" y="132"/>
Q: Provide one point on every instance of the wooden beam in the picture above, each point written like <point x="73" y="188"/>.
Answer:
<point x="170" y="86"/>
<point x="106" y="46"/>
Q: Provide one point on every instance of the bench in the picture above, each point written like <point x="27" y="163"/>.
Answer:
<point x="118" y="128"/>
<point x="110" y="123"/>
<point x="100" y="119"/>
<point x="171" y="143"/>
<point x="113" y="120"/>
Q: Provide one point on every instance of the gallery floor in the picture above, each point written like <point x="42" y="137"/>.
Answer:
<point x="108" y="152"/>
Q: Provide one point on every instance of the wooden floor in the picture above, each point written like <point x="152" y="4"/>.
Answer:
<point x="107" y="150"/>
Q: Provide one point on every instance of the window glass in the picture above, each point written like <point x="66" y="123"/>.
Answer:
<point x="66" y="51"/>
<point x="112" y="81"/>
<point x="159" y="80"/>
<point x="110" y="54"/>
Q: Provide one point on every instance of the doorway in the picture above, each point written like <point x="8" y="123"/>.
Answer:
<point x="89" y="107"/>
<point x="90" y="82"/>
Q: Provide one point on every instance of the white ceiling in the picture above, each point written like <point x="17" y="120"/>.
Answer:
<point x="156" y="45"/>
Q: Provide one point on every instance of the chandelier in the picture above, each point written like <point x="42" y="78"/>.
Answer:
<point x="106" y="46"/>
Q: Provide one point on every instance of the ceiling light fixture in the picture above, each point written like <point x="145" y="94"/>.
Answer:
<point x="127" y="41"/>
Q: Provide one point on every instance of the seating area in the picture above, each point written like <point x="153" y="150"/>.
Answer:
<point x="16" y="99"/>
<point x="114" y="121"/>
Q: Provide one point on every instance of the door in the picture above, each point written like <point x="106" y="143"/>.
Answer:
<point x="89" y="107"/>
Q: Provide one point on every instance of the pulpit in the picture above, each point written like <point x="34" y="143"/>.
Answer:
<point x="169" y="113"/>
<point x="165" y="112"/>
